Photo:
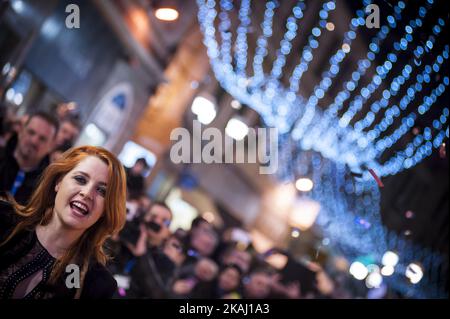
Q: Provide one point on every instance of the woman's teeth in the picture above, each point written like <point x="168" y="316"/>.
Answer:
<point x="82" y="208"/>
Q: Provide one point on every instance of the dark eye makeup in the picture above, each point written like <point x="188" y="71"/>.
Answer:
<point x="82" y="180"/>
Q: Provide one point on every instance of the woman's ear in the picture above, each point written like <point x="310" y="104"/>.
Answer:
<point x="57" y="185"/>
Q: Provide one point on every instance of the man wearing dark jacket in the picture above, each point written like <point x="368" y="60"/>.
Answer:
<point x="25" y="156"/>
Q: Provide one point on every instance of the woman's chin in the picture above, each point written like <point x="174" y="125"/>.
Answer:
<point x="75" y="220"/>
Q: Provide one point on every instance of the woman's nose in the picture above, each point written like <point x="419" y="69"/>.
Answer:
<point x="88" y="191"/>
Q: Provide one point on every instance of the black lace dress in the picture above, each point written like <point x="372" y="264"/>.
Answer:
<point x="24" y="259"/>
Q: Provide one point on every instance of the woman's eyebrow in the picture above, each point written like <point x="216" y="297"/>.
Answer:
<point x="82" y="173"/>
<point x="87" y="175"/>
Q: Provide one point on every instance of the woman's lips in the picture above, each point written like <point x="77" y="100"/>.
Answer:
<point x="75" y="212"/>
<point x="78" y="208"/>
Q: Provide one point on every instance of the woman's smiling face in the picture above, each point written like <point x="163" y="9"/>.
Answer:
<point x="80" y="194"/>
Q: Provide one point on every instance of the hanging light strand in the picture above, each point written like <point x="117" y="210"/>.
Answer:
<point x="418" y="149"/>
<point x="307" y="55"/>
<point x="382" y="71"/>
<point x="409" y="120"/>
<point x="348" y="138"/>
<point x="342" y="96"/>
<point x="328" y="76"/>
<point x="241" y="38"/>
<point x="285" y="43"/>
<point x="394" y="111"/>
<point x="395" y="87"/>
<point x="261" y="48"/>
<point x="226" y="34"/>
<point x="411" y="93"/>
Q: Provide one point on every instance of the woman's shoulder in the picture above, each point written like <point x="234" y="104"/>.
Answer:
<point x="99" y="283"/>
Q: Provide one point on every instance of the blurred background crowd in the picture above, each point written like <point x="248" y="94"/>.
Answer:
<point x="321" y="227"/>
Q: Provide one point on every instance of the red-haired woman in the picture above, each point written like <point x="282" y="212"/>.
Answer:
<point x="53" y="246"/>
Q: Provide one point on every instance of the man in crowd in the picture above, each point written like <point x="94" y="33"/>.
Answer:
<point x="153" y="266"/>
<point x="154" y="229"/>
<point x="69" y="130"/>
<point x="135" y="178"/>
<point x="25" y="156"/>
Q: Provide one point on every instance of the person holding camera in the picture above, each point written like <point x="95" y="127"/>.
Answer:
<point x="154" y="229"/>
<point x="151" y="267"/>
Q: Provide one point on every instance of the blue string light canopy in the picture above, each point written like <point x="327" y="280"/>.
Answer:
<point x="361" y="121"/>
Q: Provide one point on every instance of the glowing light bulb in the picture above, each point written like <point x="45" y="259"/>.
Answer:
<point x="304" y="184"/>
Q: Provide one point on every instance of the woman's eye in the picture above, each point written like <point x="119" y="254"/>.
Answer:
<point x="102" y="191"/>
<point x="80" y="179"/>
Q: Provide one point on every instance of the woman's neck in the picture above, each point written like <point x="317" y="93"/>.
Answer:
<point x="56" y="238"/>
